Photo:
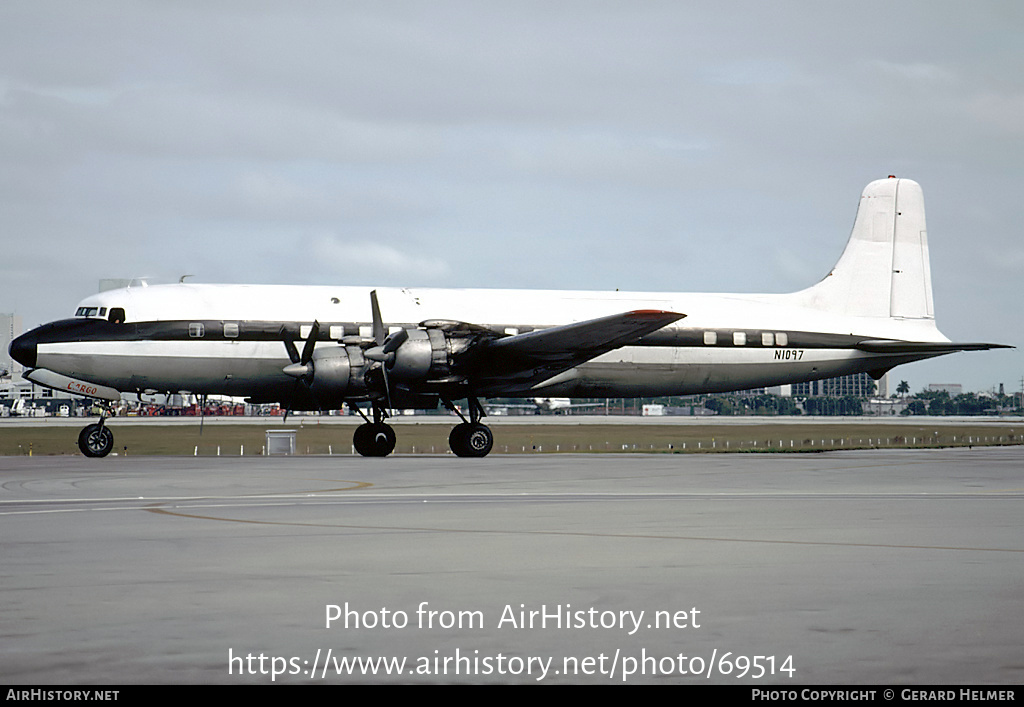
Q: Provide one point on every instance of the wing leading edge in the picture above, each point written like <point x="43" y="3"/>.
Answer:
<point x="545" y="352"/>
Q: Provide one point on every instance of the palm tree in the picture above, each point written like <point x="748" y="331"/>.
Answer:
<point x="903" y="388"/>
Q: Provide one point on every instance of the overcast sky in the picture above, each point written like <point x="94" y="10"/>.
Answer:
<point x="673" y="146"/>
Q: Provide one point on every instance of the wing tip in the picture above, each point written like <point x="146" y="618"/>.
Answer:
<point x="656" y="314"/>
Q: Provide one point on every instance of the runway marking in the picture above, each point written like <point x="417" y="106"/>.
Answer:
<point x="80" y="505"/>
<point x="356" y="485"/>
<point x="562" y="533"/>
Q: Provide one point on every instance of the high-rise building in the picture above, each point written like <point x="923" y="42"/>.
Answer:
<point x="10" y="327"/>
<point x="859" y="385"/>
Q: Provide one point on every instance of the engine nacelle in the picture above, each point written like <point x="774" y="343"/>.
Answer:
<point x="423" y="354"/>
<point x="337" y="374"/>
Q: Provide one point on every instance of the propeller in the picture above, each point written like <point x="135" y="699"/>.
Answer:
<point x="301" y="367"/>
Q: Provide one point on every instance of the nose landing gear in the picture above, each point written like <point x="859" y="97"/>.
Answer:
<point x="96" y="440"/>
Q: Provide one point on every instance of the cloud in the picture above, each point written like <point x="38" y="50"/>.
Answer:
<point x="574" y="144"/>
<point x="330" y="253"/>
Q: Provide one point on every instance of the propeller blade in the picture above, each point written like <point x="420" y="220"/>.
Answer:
<point x="288" y="407"/>
<point x="380" y="352"/>
<point x="387" y="385"/>
<point x="307" y="350"/>
<point x="395" y="340"/>
<point x="289" y="345"/>
<point x="379" y="332"/>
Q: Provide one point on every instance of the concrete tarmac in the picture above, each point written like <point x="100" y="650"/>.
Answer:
<point x="863" y="567"/>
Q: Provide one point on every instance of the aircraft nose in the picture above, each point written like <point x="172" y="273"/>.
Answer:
<point x="23" y="350"/>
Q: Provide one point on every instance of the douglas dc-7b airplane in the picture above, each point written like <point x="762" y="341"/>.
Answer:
<point x="872" y="312"/>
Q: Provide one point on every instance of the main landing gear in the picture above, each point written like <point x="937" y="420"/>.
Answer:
<point x="96" y="440"/>
<point x="374" y="439"/>
<point x="470" y="438"/>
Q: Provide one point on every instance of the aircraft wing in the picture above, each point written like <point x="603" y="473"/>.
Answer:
<point x="545" y="352"/>
<point x="583" y="340"/>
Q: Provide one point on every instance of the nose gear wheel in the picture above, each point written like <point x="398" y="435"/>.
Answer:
<point x="96" y="440"/>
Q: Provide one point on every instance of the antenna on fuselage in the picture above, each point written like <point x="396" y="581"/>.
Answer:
<point x="182" y="278"/>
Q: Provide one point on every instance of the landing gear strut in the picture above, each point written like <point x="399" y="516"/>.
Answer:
<point x="471" y="438"/>
<point x="96" y="440"/>
<point x="374" y="439"/>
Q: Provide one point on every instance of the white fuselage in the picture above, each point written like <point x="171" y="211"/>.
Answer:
<point x="734" y="341"/>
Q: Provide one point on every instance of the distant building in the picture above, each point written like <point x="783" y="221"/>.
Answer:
<point x="10" y="328"/>
<point x="859" y="385"/>
<point x="954" y="389"/>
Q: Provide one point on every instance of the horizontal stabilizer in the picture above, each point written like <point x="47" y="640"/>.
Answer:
<point x="893" y="346"/>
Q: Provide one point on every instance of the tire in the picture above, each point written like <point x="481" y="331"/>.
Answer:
<point x="96" y="441"/>
<point x="374" y="439"/>
<point x="471" y="440"/>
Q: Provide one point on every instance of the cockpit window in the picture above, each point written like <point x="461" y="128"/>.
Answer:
<point x="116" y="314"/>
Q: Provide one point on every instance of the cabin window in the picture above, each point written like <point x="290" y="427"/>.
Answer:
<point x="86" y="312"/>
<point x="116" y="315"/>
<point x="103" y="311"/>
<point x="196" y="330"/>
<point x="767" y="338"/>
<point x="739" y="338"/>
<point x="231" y="330"/>
<point x="337" y="332"/>
<point x="511" y="330"/>
<point x="710" y="338"/>
<point x="781" y="338"/>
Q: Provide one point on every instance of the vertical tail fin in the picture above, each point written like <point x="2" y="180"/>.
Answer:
<point x="884" y="271"/>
